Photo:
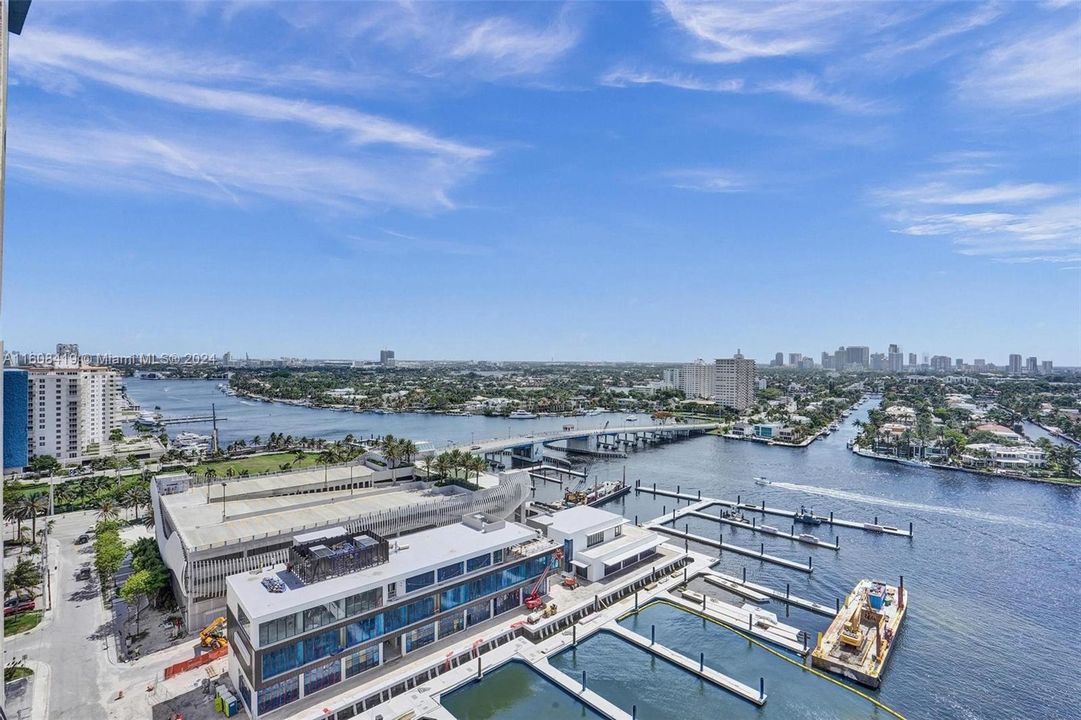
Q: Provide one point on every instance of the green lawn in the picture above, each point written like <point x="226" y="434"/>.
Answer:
<point x="259" y="464"/>
<point x="19" y="489"/>
<point x="15" y="624"/>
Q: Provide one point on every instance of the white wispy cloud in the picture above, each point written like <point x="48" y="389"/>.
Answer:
<point x="284" y="146"/>
<point x="803" y="88"/>
<point x="1037" y="70"/>
<point x="1008" y="221"/>
<point x="712" y="180"/>
<point x="733" y="32"/>
<point x="230" y="168"/>
<point x="511" y="48"/>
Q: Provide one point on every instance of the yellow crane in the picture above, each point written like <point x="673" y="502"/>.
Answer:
<point x="213" y="635"/>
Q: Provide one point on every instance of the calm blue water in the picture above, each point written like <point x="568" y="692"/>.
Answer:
<point x="515" y="692"/>
<point x="993" y="570"/>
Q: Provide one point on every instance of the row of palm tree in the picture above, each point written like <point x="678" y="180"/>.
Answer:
<point x="396" y="451"/>
<point x="454" y="462"/>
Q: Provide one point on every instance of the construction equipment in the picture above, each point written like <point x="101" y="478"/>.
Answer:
<point x="213" y="635"/>
<point x="533" y="600"/>
<point x="570" y="582"/>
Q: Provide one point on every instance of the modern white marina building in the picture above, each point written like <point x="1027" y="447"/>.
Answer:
<point x="348" y="602"/>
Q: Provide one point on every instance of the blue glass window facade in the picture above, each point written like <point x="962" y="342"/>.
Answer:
<point x="278" y="694"/>
<point x="478" y="562"/>
<point x="451" y="624"/>
<point x="449" y="572"/>
<point x="478" y="613"/>
<point x="419" y="582"/>
<point x="16" y="410"/>
<point x="418" y="638"/>
<point x="491" y="583"/>
<point x="360" y="661"/>
<point x="323" y="676"/>
<point x="508" y="601"/>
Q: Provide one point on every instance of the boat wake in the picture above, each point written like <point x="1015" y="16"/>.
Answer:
<point x="922" y="507"/>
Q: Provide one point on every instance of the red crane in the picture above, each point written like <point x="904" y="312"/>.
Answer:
<point x="533" y="600"/>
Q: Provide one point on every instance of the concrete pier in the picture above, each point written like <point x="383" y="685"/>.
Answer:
<point x="735" y="586"/>
<point x="721" y="680"/>
<point x="714" y="542"/>
<point x="574" y="687"/>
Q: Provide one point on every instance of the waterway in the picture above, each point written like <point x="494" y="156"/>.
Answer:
<point x="515" y="692"/>
<point x="993" y="570"/>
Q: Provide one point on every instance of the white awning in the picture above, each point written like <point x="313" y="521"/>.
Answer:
<point x="632" y="552"/>
<point x="579" y="564"/>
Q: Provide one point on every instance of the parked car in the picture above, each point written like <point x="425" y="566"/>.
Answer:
<point x="82" y="539"/>
<point x="18" y="605"/>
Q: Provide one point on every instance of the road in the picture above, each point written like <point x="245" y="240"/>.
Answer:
<point x="498" y="444"/>
<point x="74" y="638"/>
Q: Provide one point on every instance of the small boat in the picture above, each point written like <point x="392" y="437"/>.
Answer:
<point x="807" y="517"/>
<point x="521" y="415"/>
<point x="761" y="481"/>
<point x="594" y="411"/>
<point x="632" y="418"/>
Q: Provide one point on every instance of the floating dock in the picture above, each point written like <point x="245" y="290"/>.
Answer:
<point x="805" y="538"/>
<point x="859" y="641"/>
<point x="736" y="587"/>
<point x="758" y="623"/>
<point x="714" y="542"/>
<point x="785" y="597"/>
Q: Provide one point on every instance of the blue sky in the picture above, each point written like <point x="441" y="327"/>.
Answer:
<point x="532" y="181"/>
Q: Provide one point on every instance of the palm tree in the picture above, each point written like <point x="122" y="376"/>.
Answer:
<point x="255" y="440"/>
<point x="408" y="448"/>
<point x="210" y="474"/>
<point x="107" y="509"/>
<point x="1066" y="457"/>
<point x="476" y="464"/>
<point x="429" y="460"/>
<point x="442" y="464"/>
<point x="393" y="453"/>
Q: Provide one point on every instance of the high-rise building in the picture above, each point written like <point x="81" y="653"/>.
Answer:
<point x="1015" y="364"/>
<point x="1032" y="366"/>
<point x="958" y="363"/>
<point x="912" y="359"/>
<point x="940" y="363"/>
<point x="878" y="362"/>
<point x="70" y="410"/>
<point x="894" y="359"/>
<point x="670" y="378"/>
<point x="733" y="384"/>
<point x="227" y="358"/>
<point x="386" y="358"/>
<point x="67" y="350"/>
<point x="794" y="359"/>
<point x="16" y="412"/>
<point x="1047" y="367"/>
<point x="858" y="355"/>
<point x="696" y="380"/>
<point x="979" y="363"/>
<point x="839" y="356"/>
<point x="807" y="363"/>
<point x="827" y="360"/>
<point x="778" y="360"/>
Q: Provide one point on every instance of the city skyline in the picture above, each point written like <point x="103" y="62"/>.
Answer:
<point x="576" y="181"/>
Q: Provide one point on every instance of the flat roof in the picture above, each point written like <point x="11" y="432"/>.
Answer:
<point x="200" y="525"/>
<point x="417" y="553"/>
<point x="633" y="540"/>
<point x="581" y="518"/>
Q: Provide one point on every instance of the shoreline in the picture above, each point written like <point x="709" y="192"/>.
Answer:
<point x="938" y="466"/>
<point x="1056" y="432"/>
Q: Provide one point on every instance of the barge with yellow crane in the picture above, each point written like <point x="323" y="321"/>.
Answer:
<point x="861" y="638"/>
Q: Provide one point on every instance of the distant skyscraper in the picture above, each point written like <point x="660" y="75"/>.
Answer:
<point x="227" y="358"/>
<point x="807" y="363"/>
<point x="895" y="361"/>
<point x="940" y="363"/>
<point x="778" y="360"/>
<point x="733" y="384"/>
<point x="839" y="356"/>
<point x="386" y="358"/>
<point x="878" y="361"/>
<point x="912" y="359"/>
<point x="827" y="360"/>
<point x="794" y="359"/>
<point x="696" y="379"/>
<point x="859" y="355"/>
<point x="1047" y="367"/>
<point x="958" y="363"/>
<point x="67" y="350"/>
<point x="1032" y="366"/>
<point x="979" y="363"/>
<point x="1015" y="364"/>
